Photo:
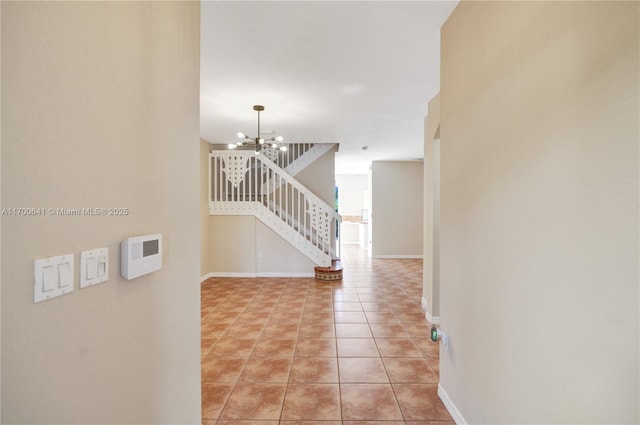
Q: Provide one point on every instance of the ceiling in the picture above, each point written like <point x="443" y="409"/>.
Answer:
<point x="355" y="73"/>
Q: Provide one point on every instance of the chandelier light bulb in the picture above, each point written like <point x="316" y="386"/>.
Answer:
<point x="279" y="139"/>
<point x="239" y="144"/>
<point x="261" y="141"/>
<point x="232" y="146"/>
<point x="283" y="148"/>
<point x="241" y="135"/>
<point x="274" y="145"/>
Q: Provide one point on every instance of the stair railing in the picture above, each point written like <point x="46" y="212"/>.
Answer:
<point x="284" y="158"/>
<point x="242" y="183"/>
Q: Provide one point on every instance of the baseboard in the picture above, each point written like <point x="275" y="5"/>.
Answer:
<point x="450" y="406"/>
<point x="399" y="256"/>
<point x="231" y="274"/>
<point x="434" y="320"/>
<point x="254" y="275"/>
<point x="277" y="274"/>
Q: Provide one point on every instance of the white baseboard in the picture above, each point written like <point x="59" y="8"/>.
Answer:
<point x="399" y="256"/>
<point x="277" y="274"/>
<point x="451" y="407"/>
<point x="231" y="274"/>
<point x="254" y="275"/>
<point x="434" y="320"/>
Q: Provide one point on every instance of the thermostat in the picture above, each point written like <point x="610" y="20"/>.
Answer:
<point x="140" y="255"/>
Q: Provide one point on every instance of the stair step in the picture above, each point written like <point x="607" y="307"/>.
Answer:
<point x="333" y="272"/>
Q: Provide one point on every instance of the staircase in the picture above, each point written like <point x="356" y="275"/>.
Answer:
<point x="243" y="183"/>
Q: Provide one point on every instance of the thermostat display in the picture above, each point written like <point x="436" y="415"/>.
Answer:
<point x="140" y="255"/>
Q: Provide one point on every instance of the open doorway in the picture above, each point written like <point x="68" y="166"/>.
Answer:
<point x="354" y="206"/>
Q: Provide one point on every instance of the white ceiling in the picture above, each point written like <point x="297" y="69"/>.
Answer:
<point x="355" y="73"/>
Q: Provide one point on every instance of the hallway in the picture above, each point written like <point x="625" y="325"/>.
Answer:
<point x="297" y="349"/>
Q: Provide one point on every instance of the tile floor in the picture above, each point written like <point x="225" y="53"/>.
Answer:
<point x="291" y="350"/>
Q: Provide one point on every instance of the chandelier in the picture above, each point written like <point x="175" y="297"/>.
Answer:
<point x="258" y="141"/>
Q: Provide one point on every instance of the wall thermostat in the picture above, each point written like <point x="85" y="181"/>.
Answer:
<point x="140" y="255"/>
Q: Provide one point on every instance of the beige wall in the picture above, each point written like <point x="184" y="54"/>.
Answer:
<point x="103" y="112"/>
<point x="244" y="246"/>
<point x="276" y="257"/>
<point x="232" y="244"/>
<point x="319" y="176"/>
<point x="539" y="225"/>
<point x="431" y="277"/>
<point x="397" y="208"/>
<point x="205" y="253"/>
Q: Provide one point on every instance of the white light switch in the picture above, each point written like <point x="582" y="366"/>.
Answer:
<point x="52" y="277"/>
<point x="102" y="266"/>
<point x="94" y="267"/>
<point x="65" y="274"/>
<point x="49" y="278"/>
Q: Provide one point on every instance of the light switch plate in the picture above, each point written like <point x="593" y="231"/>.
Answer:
<point x="52" y="277"/>
<point x="94" y="267"/>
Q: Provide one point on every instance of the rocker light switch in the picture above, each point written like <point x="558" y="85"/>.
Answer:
<point x="94" y="267"/>
<point x="49" y="278"/>
<point x="102" y="266"/>
<point x="65" y="275"/>
<point x="52" y="277"/>
<point x="91" y="268"/>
